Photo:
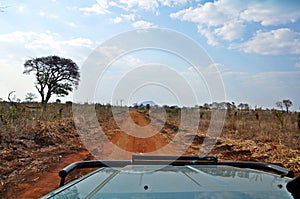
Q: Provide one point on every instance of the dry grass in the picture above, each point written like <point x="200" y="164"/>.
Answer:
<point x="31" y="139"/>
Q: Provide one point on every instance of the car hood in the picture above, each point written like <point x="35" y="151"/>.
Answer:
<point x="156" y="181"/>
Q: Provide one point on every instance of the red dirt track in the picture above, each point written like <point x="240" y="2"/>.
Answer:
<point x="30" y="161"/>
<point x="135" y="144"/>
<point x="42" y="183"/>
<point x="39" y="184"/>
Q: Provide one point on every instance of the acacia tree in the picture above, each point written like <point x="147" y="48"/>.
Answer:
<point x="287" y="104"/>
<point x="30" y="96"/>
<point x="284" y="103"/>
<point x="279" y="105"/>
<point x="54" y="75"/>
<point x="244" y="106"/>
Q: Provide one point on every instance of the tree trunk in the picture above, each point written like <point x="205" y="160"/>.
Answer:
<point x="44" y="106"/>
<point x="45" y="100"/>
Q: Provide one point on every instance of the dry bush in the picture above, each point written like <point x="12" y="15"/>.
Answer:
<point x="31" y="140"/>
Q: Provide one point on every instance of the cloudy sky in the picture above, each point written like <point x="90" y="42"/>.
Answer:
<point x="255" y="45"/>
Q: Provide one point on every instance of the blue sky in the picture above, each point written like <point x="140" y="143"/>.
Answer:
<point x="254" y="44"/>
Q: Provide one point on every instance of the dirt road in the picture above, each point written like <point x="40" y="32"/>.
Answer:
<point x="30" y="167"/>
<point x="140" y="140"/>
<point x="39" y="184"/>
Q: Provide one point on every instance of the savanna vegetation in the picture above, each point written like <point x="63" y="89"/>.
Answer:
<point x="33" y="141"/>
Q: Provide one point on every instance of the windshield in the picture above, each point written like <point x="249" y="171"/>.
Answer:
<point x="105" y="80"/>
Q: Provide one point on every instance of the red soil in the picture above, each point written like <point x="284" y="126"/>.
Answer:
<point x="39" y="184"/>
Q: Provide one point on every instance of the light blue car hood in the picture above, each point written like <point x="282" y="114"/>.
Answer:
<point x="153" y="181"/>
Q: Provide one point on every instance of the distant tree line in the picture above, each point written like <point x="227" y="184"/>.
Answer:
<point x="284" y="104"/>
<point x="226" y="106"/>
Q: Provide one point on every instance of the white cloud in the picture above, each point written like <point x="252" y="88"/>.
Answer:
<point x="72" y="24"/>
<point x="127" y="62"/>
<point x="208" y="14"/>
<point x="21" y="8"/>
<point x="231" y="31"/>
<point x="149" y="5"/>
<point x="37" y="44"/>
<point x="28" y="39"/>
<point x="107" y="53"/>
<point x="50" y="16"/>
<point x="297" y="65"/>
<point x="117" y="20"/>
<point x="210" y="36"/>
<point x="41" y="13"/>
<point x="217" y="19"/>
<point x="227" y="20"/>
<point x="142" y="24"/>
<point x="79" y="42"/>
<point x="129" y="17"/>
<point x="270" y="13"/>
<point x="274" y="42"/>
<point x="261" y="79"/>
<point x="232" y="73"/>
<point x="172" y="3"/>
<point x="101" y="7"/>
